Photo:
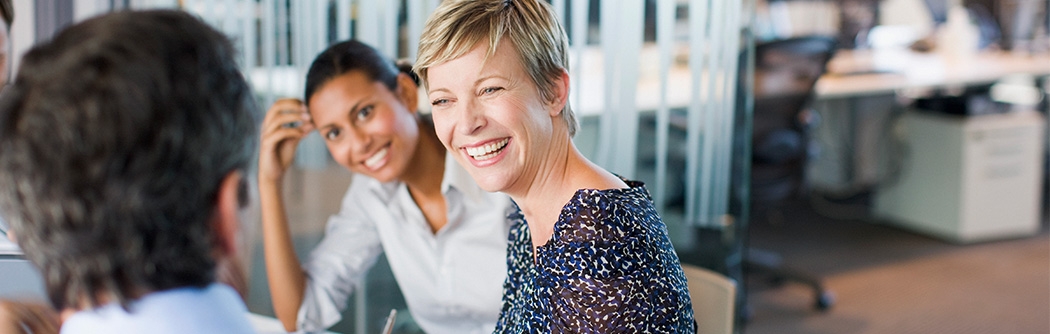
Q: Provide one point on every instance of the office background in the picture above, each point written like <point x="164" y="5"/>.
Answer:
<point x="664" y="101"/>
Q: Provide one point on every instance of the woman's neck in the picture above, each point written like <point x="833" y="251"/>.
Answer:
<point x="424" y="175"/>
<point x="426" y="169"/>
<point x="554" y="185"/>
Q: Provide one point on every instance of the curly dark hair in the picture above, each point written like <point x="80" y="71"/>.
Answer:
<point x="114" y="139"/>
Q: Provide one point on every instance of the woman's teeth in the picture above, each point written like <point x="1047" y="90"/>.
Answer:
<point x="489" y="151"/>
<point x="374" y="161"/>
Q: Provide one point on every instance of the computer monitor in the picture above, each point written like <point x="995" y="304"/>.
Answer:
<point x="1025" y="20"/>
<point x="938" y="10"/>
<point x="982" y="14"/>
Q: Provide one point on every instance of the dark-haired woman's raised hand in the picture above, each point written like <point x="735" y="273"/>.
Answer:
<point x="286" y="123"/>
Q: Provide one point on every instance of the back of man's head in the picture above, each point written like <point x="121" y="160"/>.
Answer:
<point x="114" y="140"/>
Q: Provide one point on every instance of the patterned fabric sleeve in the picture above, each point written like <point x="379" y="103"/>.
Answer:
<point x="612" y="272"/>
<point x="608" y="268"/>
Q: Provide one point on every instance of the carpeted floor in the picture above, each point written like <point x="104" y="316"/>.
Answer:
<point x="889" y="280"/>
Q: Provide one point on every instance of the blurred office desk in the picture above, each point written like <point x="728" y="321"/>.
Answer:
<point x="858" y="101"/>
<point x="876" y="72"/>
<point x="964" y="178"/>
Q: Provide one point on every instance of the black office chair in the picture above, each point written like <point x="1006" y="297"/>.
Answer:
<point x="786" y="72"/>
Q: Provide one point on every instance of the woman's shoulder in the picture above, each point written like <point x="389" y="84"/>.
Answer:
<point x="615" y="242"/>
<point x="364" y="186"/>
<point x="613" y="203"/>
<point x="605" y="216"/>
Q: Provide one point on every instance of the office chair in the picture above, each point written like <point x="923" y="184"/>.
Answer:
<point x="786" y="72"/>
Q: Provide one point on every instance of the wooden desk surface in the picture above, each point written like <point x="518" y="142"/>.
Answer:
<point x="860" y="73"/>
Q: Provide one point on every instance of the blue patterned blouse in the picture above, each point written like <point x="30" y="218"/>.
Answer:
<point x="608" y="268"/>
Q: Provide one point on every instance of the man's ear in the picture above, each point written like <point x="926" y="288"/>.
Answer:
<point x="408" y="92"/>
<point x="560" y="94"/>
<point x="225" y="222"/>
<point x="232" y="197"/>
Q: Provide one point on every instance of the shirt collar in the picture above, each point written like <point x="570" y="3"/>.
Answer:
<point x="215" y="306"/>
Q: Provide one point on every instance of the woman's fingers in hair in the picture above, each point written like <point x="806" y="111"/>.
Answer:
<point x="287" y="113"/>
<point x="285" y="124"/>
<point x="287" y="118"/>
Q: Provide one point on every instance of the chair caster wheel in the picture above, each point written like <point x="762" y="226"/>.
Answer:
<point x="825" y="301"/>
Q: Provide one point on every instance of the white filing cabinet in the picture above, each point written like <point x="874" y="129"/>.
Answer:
<point x="967" y="179"/>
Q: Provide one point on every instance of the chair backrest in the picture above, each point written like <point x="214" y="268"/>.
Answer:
<point x="791" y="66"/>
<point x="714" y="299"/>
<point x="786" y="72"/>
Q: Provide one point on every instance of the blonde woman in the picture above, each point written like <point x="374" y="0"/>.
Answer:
<point x="588" y="251"/>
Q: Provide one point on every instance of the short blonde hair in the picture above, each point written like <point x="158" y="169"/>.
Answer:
<point x="456" y="26"/>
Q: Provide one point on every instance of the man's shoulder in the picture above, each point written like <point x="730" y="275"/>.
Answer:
<point x="213" y="309"/>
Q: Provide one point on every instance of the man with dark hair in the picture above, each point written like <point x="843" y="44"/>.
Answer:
<point x="124" y="144"/>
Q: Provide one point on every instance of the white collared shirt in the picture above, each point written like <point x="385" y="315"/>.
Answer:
<point x="215" y="309"/>
<point x="452" y="280"/>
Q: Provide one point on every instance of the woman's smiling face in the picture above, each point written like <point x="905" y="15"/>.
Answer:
<point x="368" y="128"/>
<point x="490" y="115"/>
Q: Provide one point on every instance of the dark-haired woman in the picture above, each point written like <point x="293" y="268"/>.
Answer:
<point x="444" y="237"/>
